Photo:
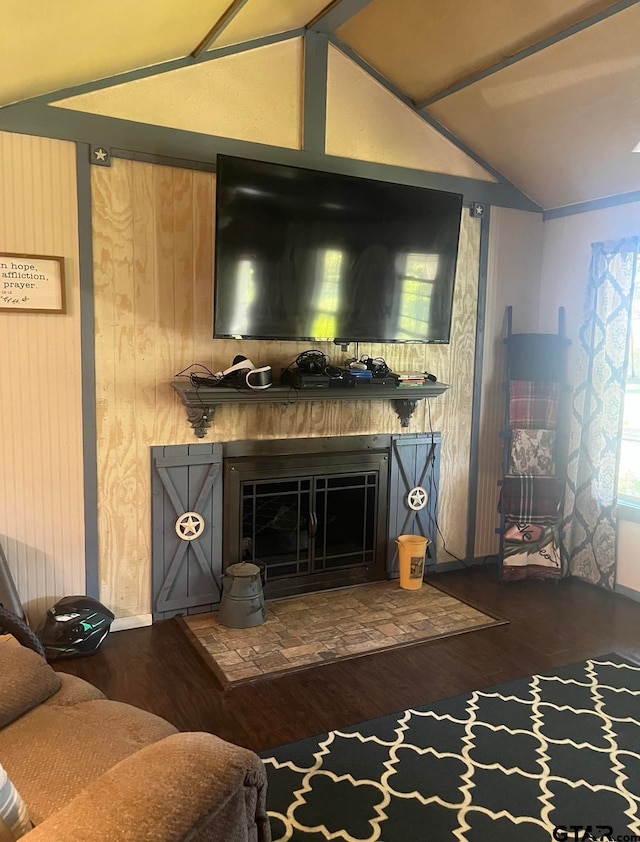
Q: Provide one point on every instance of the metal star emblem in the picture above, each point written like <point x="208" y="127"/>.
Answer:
<point x="417" y="498"/>
<point x="189" y="526"/>
<point x="100" y="156"/>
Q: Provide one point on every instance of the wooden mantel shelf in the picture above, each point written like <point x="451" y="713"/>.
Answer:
<point x="201" y="401"/>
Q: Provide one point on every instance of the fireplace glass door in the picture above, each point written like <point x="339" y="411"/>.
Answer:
<point x="276" y="525"/>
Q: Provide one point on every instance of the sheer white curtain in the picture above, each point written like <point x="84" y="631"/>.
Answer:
<point x="589" y="524"/>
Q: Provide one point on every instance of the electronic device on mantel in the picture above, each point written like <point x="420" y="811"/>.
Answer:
<point x="302" y="380"/>
<point x="309" y="255"/>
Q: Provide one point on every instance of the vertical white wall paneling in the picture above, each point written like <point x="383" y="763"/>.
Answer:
<point x="513" y="278"/>
<point x="41" y="470"/>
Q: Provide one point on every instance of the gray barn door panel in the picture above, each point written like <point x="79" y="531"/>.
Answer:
<point x="186" y="551"/>
<point x="415" y="467"/>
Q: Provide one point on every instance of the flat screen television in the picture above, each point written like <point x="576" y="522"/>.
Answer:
<point x="309" y="255"/>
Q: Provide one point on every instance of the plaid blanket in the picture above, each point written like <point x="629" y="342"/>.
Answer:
<point x="533" y="404"/>
<point x="531" y="499"/>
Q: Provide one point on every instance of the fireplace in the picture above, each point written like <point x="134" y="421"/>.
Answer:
<point x="313" y="513"/>
<point x="318" y="513"/>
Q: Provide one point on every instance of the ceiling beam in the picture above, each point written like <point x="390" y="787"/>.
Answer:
<point x="314" y="120"/>
<point x="219" y="26"/>
<point x="556" y="38"/>
<point x="593" y="205"/>
<point x="335" y="15"/>
<point x="120" y="135"/>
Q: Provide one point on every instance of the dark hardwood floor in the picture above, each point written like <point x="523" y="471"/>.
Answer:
<point x="549" y="625"/>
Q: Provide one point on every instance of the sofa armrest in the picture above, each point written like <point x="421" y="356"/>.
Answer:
<point x="27" y="680"/>
<point x="184" y="788"/>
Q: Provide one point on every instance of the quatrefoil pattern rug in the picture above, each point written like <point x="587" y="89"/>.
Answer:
<point x="522" y="761"/>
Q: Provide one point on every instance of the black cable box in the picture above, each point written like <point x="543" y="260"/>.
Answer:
<point x="342" y="383"/>
<point x="300" y="380"/>
<point x="388" y="380"/>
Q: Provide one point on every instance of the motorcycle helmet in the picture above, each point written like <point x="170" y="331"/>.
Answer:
<point x="74" y="626"/>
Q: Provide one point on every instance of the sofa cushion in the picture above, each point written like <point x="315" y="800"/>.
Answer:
<point x="74" y="690"/>
<point x="27" y="680"/>
<point x="56" y="750"/>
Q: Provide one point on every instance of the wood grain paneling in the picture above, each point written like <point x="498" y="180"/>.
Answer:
<point x="423" y="47"/>
<point x="153" y="249"/>
<point x="41" y="462"/>
<point x="255" y="95"/>
<point x="367" y="122"/>
<point x="153" y="258"/>
<point x="453" y="416"/>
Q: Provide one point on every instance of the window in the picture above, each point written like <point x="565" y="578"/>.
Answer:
<point x="245" y="296"/>
<point x="418" y="276"/>
<point x="326" y="299"/>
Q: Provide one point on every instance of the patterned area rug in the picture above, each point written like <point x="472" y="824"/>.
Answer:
<point x="525" y="761"/>
<point x="320" y="628"/>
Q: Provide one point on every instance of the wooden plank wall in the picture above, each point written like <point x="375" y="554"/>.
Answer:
<point x="41" y="468"/>
<point x="153" y="252"/>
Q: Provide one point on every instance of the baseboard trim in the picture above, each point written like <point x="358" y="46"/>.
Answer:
<point x="137" y="621"/>
<point x="625" y="591"/>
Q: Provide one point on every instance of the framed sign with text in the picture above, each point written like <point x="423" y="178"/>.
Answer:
<point x="32" y="283"/>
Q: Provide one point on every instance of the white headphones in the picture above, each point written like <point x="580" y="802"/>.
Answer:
<point x="259" y="378"/>
<point x="255" y="378"/>
<point x="240" y="363"/>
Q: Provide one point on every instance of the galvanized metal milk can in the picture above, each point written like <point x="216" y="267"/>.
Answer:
<point x="242" y="604"/>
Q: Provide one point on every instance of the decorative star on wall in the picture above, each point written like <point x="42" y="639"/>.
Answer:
<point x="417" y="498"/>
<point x="189" y="526"/>
<point x="100" y="156"/>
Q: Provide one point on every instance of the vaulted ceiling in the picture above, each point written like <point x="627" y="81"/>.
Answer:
<point x="544" y="95"/>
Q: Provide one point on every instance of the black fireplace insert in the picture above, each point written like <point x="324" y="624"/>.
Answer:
<point x="311" y="520"/>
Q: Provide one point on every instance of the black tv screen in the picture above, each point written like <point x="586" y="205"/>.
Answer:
<point x="309" y="255"/>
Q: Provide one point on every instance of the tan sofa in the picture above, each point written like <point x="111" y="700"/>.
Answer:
<point x="92" y="769"/>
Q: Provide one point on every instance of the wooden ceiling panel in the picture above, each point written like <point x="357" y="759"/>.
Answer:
<point x="268" y="17"/>
<point x="562" y="123"/>
<point x="255" y="95"/>
<point x="423" y="46"/>
<point x="45" y="47"/>
<point x="366" y="122"/>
